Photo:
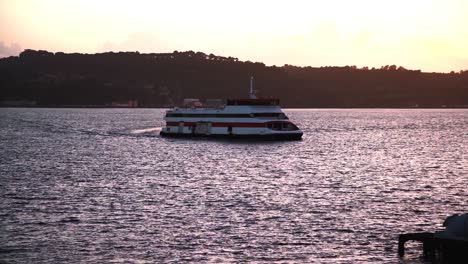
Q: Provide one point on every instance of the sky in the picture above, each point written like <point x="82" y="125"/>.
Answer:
<point x="431" y="35"/>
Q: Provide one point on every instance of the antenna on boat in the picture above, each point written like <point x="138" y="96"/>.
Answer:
<point x="252" y="92"/>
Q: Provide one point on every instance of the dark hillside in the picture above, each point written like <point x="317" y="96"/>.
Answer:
<point x="156" y="80"/>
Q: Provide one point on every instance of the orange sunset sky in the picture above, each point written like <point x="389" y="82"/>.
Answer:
<point x="431" y="35"/>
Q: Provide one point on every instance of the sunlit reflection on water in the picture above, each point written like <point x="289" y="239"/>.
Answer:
<point x="101" y="186"/>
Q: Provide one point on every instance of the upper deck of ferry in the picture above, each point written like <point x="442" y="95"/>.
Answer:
<point x="254" y="101"/>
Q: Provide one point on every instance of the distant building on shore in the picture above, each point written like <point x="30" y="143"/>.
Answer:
<point x="18" y="103"/>
<point x="129" y="103"/>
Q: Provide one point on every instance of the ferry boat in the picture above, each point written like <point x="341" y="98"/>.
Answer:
<point x="238" y="118"/>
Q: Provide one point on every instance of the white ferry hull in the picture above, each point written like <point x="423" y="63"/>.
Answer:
<point x="241" y="118"/>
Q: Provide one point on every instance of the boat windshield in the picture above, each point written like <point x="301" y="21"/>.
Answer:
<point x="282" y="126"/>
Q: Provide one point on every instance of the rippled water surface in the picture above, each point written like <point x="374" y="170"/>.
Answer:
<point x="101" y="186"/>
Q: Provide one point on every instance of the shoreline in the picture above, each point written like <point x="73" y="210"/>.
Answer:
<point x="166" y="107"/>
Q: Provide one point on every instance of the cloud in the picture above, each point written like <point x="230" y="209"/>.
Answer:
<point x="13" y="50"/>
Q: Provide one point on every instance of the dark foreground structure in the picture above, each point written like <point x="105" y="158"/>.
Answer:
<point x="438" y="250"/>
<point x="447" y="246"/>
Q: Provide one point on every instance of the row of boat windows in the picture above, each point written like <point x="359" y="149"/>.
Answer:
<point x="269" y="115"/>
<point x="282" y="126"/>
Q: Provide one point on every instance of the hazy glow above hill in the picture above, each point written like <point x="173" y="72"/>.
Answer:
<point x="431" y="35"/>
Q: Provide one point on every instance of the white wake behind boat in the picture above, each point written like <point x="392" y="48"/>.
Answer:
<point x="237" y="118"/>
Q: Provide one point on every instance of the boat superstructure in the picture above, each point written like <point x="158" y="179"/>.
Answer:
<point x="237" y="118"/>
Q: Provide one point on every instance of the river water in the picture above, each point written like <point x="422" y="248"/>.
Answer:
<point x="101" y="186"/>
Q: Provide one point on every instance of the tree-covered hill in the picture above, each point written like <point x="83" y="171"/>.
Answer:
<point x="163" y="79"/>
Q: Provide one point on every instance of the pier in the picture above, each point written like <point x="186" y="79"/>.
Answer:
<point x="437" y="249"/>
